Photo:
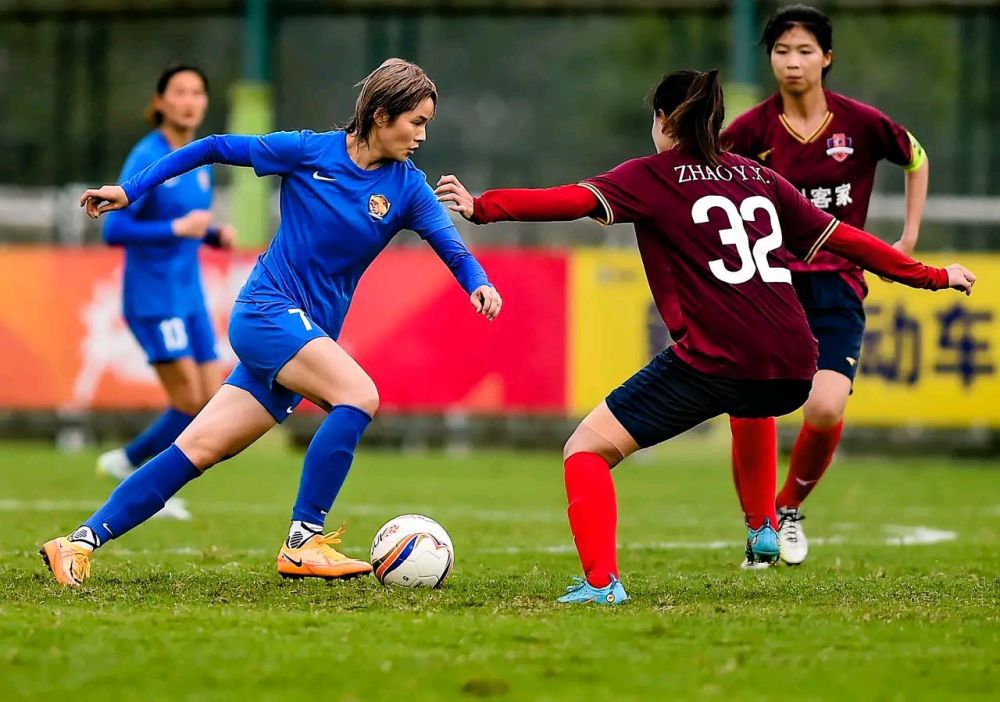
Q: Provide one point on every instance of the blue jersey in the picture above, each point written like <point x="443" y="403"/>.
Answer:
<point x="335" y="216"/>
<point x="162" y="275"/>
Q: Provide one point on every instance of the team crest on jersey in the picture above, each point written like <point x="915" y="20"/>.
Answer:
<point x="839" y="147"/>
<point x="204" y="180"/>
<point x="378" y="206"/>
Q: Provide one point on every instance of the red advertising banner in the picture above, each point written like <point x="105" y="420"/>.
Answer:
<point x="64" y="344"/>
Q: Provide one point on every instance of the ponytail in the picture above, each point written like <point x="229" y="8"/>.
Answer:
<point x="695" y="108"/>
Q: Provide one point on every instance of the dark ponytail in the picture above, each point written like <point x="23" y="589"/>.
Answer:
<point x="695" y="108"/>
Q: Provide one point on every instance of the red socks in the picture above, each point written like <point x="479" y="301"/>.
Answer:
<point x="811" y="456"/>
<point x="593" y="515"/>
<point x="755" y="467"/>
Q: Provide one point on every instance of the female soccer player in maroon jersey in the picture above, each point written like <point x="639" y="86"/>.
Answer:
<point x="827" y="146"/>
<point x="716" y="233"/>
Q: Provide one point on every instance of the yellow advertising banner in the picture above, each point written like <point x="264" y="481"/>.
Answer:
<point x="931" y="359"/>
<point x="613" y="323"/>
<point x="928" y="359"/>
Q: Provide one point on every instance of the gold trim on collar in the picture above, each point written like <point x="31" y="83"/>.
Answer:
<point x="798" y="137"/>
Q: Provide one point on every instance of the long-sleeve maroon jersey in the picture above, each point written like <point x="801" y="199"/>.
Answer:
<point x="834" y="168"/>
<point x="716" y="242"/>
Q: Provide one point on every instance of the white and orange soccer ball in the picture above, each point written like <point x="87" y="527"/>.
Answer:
<point x="412" y="551"/>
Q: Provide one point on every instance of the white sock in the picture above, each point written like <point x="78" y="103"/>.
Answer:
<point x="300" y="531"/>
<point x="85" y="536"/>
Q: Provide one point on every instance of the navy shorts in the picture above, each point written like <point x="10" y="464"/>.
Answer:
<point x="668" y="397"/>
<point x="165" y="340"/>
<point x="837" y="318"/>
<point x="265" y="334"/>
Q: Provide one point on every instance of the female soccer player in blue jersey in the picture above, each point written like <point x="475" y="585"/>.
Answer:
<point x="344" y="196"/>
<point x="164" y="304"/>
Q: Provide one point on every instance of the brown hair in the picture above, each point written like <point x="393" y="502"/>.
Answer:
<point x="153" y="115"/>
<point x="397" y="86"/>
<point x="695" y="108"/>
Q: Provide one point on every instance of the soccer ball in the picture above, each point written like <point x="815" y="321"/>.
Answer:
<point x="413" y="551"/>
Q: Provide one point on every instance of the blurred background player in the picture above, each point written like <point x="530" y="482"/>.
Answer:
<point x="828" y="146"/>
<point x="163" y="299"/>
<point x="344" y="196"/>
<point x="747" y="349"/>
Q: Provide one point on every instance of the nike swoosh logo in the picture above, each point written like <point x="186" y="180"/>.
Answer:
<point x="297" y="564"/>
<point x="105" y="525"/>
<point x="803" y="483"/>
<point x="851" y="361"/>
<point x="290" y="410"/>
<point x="325" y="179"/>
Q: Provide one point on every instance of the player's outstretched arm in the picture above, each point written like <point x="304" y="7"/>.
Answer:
<point x="560" y="204"/>
<point x="229" y="149"/>
<point x="873" y="254"/>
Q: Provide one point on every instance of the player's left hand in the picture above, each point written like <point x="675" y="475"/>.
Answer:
<point x="905" y="245"/>
<point x="487" y="301"/>
<point x="107" y="198"/>
<point x="227" y="236"/>
<point x="451" y="192"/>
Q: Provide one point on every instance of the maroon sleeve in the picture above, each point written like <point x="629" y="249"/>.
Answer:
<point x="562" y="204"/>
<point x="804" y="226"/>
<point x="620" y="192"/>
<point x="873" y="254"/>
<point x="739" y="137"/>
<point x="892" y="141"/>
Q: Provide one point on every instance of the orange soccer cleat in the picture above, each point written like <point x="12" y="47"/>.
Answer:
<point x="316" y="558"/>
<point x="69" y="563"/>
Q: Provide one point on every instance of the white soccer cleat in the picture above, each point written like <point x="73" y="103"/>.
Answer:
<point x="115" y="464"/>
<point x="792" y="540"/>
<point x="175" y="508"/>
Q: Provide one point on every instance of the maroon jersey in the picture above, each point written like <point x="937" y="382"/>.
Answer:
<point x="716" y="242"/>
<point x="834" y="167"/>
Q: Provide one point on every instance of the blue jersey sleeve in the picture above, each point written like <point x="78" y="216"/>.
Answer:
<point x="426" y="214"/>
<point x="429" y="219"/>
<point x="124" y="226"/>
<point x="448" y="245"/>
<point x="268" y="154"/>
<point x="276" y="153"/>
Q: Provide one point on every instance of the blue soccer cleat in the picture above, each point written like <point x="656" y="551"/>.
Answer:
<point x="762" y="547"/>
<point x="583" y="592"/>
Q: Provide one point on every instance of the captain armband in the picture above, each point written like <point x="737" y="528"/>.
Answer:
<point x="919" y="155"/>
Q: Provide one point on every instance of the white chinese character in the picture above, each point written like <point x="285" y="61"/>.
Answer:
<point x="843" y="195"/>
<point x="821" y="197"/>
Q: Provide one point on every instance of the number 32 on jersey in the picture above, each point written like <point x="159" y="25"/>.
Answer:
<point x="751" y="261"/>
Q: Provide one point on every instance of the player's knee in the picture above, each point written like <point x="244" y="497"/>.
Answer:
<point x="368" y="400"/>
<point x="192" y="404"/>
<point x="823" y="413"/>
<point x="362" y="394"/>
<point x="202" y="450"/>
<point x="187" y="396"/>
<point x="583" y="441"/>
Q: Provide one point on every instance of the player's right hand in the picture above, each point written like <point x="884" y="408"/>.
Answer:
<point x="960" y="278"/>
<point x="106" y="198"/>
<point x="453" y="194"/>
<point x="193" y="225"/>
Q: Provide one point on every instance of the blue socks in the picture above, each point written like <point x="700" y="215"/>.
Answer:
<point x="328" y="459"/>
<point x="142" y="494"/>
<point x="157" y="436"/>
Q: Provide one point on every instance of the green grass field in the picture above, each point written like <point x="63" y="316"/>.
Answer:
<point x="195" y="610"/>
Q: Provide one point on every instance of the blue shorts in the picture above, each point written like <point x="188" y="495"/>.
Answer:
<point x="837" y="318"/>
<point x="265" y="334"/>
<point x="166" y="340"/>
<point x="668" y="397"/>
